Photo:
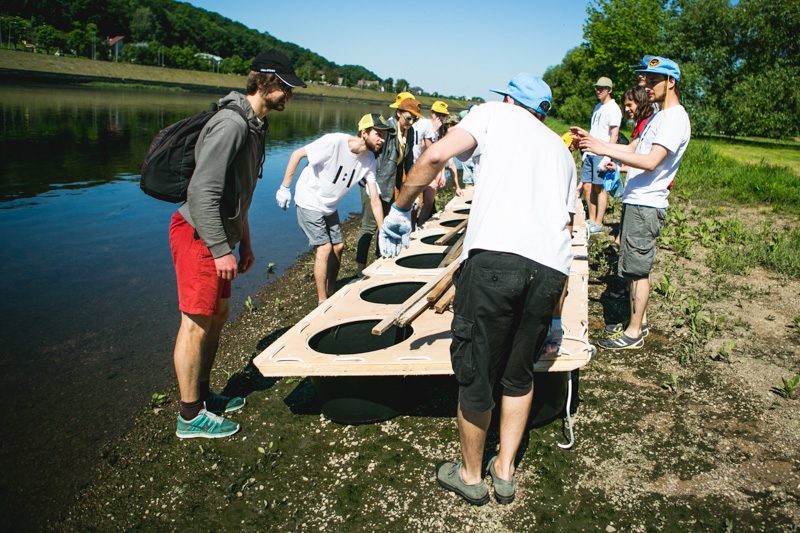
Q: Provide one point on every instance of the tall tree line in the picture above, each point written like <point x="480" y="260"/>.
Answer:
<point x="740" y="63"/>
<point x="167" y="32"/>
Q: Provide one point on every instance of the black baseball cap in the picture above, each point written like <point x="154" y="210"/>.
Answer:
<point x="275" y="62"/>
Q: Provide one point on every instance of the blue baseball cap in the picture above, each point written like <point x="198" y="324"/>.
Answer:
<point x="530" y="91"/>
<point x="643" y="62"/>
<point x="661" y="65"/>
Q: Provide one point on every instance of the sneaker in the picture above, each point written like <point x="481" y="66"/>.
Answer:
<point x="205" y="425"/>
<point x="616" y="328"/>
<point x="594" y="228"/>
<point x="504" y="490"/>
<point x="217" y="403"/>
<point x="448" y="474"/>
<point x="620" y="341"/>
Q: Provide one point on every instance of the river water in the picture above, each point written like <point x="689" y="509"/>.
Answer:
<point x="89" y="309"/>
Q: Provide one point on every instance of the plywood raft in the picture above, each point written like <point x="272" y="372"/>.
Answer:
<point x="341" y="325"/>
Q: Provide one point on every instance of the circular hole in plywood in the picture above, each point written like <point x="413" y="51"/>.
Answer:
<point x="420" y="261"/>
<point x="431" y="239"/>
<point x="356" y="337"/>
<point x="452" y="222"/>
<point x="391" y="293"/>
<point x="462" y="211"/>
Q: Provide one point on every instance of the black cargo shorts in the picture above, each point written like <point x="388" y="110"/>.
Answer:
<point x="503" y="306"/>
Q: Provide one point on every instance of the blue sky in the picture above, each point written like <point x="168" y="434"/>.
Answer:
<point x="453" y="47"/>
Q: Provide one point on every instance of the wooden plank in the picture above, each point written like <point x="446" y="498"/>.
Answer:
<point x="440" y="287"/>
<point x="381" y="327"/>
<point x="445" y="300"/>
<point x="447" y="236"/>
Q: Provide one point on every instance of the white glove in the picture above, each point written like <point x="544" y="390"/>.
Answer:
<point x="284" y="197"/>
<point x="395" y="231"/>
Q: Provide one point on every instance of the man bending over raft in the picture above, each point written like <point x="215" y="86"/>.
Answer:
<point x="516" y="258"/>
<point x="336" y="163"/>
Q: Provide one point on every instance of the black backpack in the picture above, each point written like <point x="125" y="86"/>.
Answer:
<point x="169" y="163"/>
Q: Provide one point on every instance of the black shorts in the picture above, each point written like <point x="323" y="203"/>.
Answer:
<point x="503" y="307"/>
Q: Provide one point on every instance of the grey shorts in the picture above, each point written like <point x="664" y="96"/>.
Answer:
<point x="641" y="226"/>
<point x="502" y="311"/>
<point x="320" y="229"/>
<point x="591" y="171"/>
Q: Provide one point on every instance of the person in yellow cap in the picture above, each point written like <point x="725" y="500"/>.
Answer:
<point x="336" y="163"/>
<point x="392" y="164"/>
<point x="426" y="132"/>
<point x="399" y="98"/>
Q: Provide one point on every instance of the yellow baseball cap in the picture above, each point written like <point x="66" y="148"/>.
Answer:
<point x="440" y="107"/>
<point x="399" y="98"/>
<point x="373" y="120"/>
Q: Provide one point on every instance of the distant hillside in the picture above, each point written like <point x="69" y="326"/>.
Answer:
<point x="158" y="32"/>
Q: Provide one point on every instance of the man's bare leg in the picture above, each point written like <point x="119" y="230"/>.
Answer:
<point x="602" y="204"/>
<point x="188" y="355"/>
<point x="321" y="270"/>
<point x="472" y="428"/>
<point x="334" y="262"/>
<point x="590" y="201"/>
<point x="640" y="294"/>
<point x="513" y="422"/>
<point x="211" y="342"/>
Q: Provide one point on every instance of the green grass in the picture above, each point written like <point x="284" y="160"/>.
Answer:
<point x="708" y="176"/>
<point x="768" y="152"/>
<point x="738" y="248"/>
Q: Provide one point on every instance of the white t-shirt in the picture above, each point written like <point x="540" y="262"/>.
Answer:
<point x="422" y="129"/>
<point x="331" y="171"/>
<point x="671" y="129"/>
<point x="604" y="117"/>
<point x="526" y="189"/>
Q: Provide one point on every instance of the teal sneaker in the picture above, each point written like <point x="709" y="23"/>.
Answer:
<point x="205" y="425"/>
<point x="217" y="403"/>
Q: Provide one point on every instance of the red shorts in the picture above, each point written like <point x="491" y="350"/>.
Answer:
<point x="199" y="287"/>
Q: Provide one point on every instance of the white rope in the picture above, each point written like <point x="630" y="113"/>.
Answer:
<point x="571" y="442"/>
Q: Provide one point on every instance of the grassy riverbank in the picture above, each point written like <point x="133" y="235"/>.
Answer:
<point x="82" y="70"/>
<point x="686" y="434"/>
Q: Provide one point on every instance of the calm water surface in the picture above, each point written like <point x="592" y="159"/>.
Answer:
<point x="89" y="308"/>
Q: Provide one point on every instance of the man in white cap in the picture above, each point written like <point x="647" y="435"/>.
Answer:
<point x="606" y="119"/>
<point x="516" y="259"/>
<point x="336" y="163"/>
<point x="653" y="159"/>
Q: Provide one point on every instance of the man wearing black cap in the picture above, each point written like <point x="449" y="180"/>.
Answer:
<point x="204" y="232"/>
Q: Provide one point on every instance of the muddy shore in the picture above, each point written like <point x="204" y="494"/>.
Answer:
<point x="664" y="442"/>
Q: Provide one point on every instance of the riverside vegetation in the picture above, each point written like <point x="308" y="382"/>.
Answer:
<point x="697" y="431"/>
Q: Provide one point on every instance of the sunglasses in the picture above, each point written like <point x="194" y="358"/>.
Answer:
<point x="598" y="89"/>
<point x="409" y="118"/>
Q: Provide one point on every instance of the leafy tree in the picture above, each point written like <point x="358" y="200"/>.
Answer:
<point x="401" y="85"/>
<point x="143" y="25"/>
<point x="78" y="42"/>
<point x="15" y="30"/>
<point x="388" y="84"/>
<point x="47" y="37"/>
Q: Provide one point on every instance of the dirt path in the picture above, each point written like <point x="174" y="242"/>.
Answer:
<point x="682" y="435"/>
